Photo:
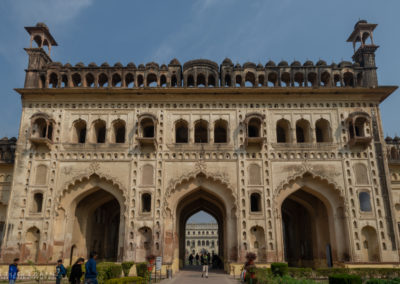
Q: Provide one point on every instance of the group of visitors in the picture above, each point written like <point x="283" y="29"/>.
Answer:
<point x="75" y="275"/>
<point x="205" y="260"/>
<point x="199" y="258"/>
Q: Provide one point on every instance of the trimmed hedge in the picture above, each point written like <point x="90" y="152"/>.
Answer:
<point x="126" y="267"/>
<point x="126" y="280"/>
<point x="108" y="270"/>
<point x="279" y="268"/>
<point x="383" y="281"/>
<point x="345" y="279"/>
<point x="141" y="270"/>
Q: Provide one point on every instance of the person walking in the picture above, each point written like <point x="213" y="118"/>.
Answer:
<point x="197" y="259"/>
<point x="76" y="272"/>
<point x="60" y="271"/>
<point x="91" y="269"/>
<point x="204" y="262"/>
<point x="13" y="271"/>
<point x="191" y="259"/>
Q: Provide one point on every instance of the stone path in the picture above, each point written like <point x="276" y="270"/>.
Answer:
<point x="194" y="277"/>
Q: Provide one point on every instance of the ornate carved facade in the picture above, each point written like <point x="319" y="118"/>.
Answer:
<point x="289" y="159"/>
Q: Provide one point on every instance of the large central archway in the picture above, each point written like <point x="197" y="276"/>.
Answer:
<point x="193" y="193"/>
<point x="201" y="200"/>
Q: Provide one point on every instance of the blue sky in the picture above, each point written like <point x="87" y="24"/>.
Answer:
<point x="144" y="31"/>
<point x="201" y="217"/>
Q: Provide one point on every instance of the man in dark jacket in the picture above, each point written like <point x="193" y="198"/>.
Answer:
<point x="13" y="271"/>
<point x="76" y="272"/>
<point x="60" y="271"/>
<point x="91" y="269"/>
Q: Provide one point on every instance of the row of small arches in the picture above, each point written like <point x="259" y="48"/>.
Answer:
<point x="248" y="79"/>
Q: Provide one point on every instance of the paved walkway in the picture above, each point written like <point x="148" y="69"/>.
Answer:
<point x="194" y="277"/>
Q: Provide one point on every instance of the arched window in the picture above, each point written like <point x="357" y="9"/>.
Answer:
<point x="361" y="174"/>
<point x="203" y="243"/>
<point x="303" y="134"/>
<point x="285" y="78"/>
<point x="211" y="81"/>
<point x="99" y="128"/>
<point x="64" y="81"/>
<point x="365" y="201"/>
<point x="53" y="80"/>
<point x="190" y="81"/>
<point x="39" y="128"/>
<point x="207" y="243"/>
<point x="228" y="81"/>
<point x="174" y="81"/>
<point x="146" y="203"/>
<point x="163" y="81"/>
<point x="255" y="202"/>
<point x="103" y="80"/>
<point x="283" y="131"/>
<point x="152" y="80"/>
<point x="147" y="125"/>
<point x="272" y="79"/>
<point x="299" y="79"/>
<point x="129" y="80"/>
<point x="89" y="80"/>
<point x="250" y="79"/>
<point x="254" y="127"/>
<point x="359" y="126"/>
<point x="312" y="79"/>
<point x="181" y="132"/>
<point x="37" y="203"/>
<point x="119" y="131"/>
<point x="79" y="133"/>
<point x="221" y="131"/>
<point x="76" y="80"/>
<point x="201" y="80"/>
<point x="325" y="78"/>
<point x="116" y="80"/>
<point x="238" y="81"/>
<point x="140" y="80"/>
<point x="188" y="243"/>
<point x="201" y="131"/>
<point x="348" y="79"/>
<point x="199" y="243"/>
<point x="322" y="131"/>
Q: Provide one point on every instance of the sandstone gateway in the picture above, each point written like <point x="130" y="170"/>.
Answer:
<point x="289" y="159"/>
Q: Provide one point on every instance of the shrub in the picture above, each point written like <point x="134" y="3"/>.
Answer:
<point x="300" y="272"/>
<point x="383" y="281"/>
<point x="126" y="267"/>
<point x="126" y="280"/>
<point x="279" y="268"/>
<point x="141" y="269"/>
<point x="108" y="270"/>
<point x="345" y="279"/>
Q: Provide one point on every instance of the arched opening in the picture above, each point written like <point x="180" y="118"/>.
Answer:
<point x="140" y="81"/>
<point x="325" y="78"/>
<point x="359" y="126"/>
<point x="119" y="131"/>
<point x="89" y="80"/>
<point x="99" y="131"/>
<point x="79" y="131"/>
<point x="360" y="79"/>
<point x="32" y="242"/>
<point x="306" y="230"/>
<point x="129" y="80"/>
<point x="145" y="240"/>
<point x="53" y="80"/>
<point x="163" y="81"/>
<point x="201" y="131"/>
<point x="257" y="243"/>
<point x="174" y="81"/>
<point x="365" y="201"/>
<point x="201" y="80"/>
<point x="147" y="127"/>
<point x="250" y="79"/>
<point x="103" y="80"/>
<point x="181" y="131"/>
<point x="76" y="80"/>
<point x="272" y="79"/>
<point x="348" y="79"/>
<point x="336" y="80"/>
<point x="312" y="79"/>
<point x="221" y="131"/>
<point x="116" y="80"/>
<point x="238" y="81"/>
<point x="303" y="131"/>
<point x="151" y="80"/>
<point x="228" y="80"/>
<point x="37" y="203"/>
<point x="370" y="248"/>
<point x="254" y="127"/>
<point x="194" y="207"/>
<point x="285" y="79"/>
<point x="299" y="79"/>
<point x="96" y="225"/>
<point x="211" y="81"/>
<point x="190" y="81"/>
<point x="322" y="131"/>
<point x="283" y="131"/>
<point x="39" y="128"/>
<point x="207" y="225"/>
<point x="64" y="81"/>
<point x="261" y="79"/>
<point x="146" y="202"/>
<point x="255" y="202"/>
